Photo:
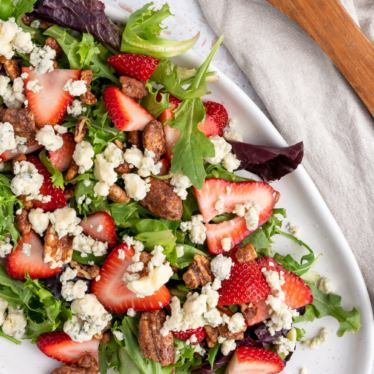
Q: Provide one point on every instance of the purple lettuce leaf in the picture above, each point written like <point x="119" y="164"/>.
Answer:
<point x="205" y="367"/>
<point x="86" y="16"/>
<point x="269" y="163"/>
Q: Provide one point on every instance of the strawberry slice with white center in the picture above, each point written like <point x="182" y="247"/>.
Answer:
<point x="260" y="193"/>
<point x="61" y="347"/>
<point x="216" y="118"/>
<point x="297" y="293"/>
<point x="250" y="360"/>
<point x="18" y="262"/>
<point x="62" y="157"/>
<point x="112" y="291"/>
<point x="8" y="155"/>
<point x="50" y="103"/>
<point x="100" y="226"/>
<point x="126" y="113"/>
<point x="246" y="283"/>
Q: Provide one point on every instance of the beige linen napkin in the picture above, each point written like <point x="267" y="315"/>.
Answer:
<point x="310" y="100"/>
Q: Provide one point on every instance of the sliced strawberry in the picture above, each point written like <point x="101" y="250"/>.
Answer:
<point x="241" y="192"/>
<point x="134" y="66"/>
<point x="246" y="283"/>
<point x="100" y="226"/>
<point x="250" y="360"/>
<point x="50" y="103"/>
<point x="216" y="118"/>
<point x="165" y="167"/>
<point x="8" y="155"/>
<point x="62" y="157"/>
<point x="61" y="347"/>
<point x="112" y="291"/>
<point x="236" y="229"/>
<point x="171" y="135"/>
<point x="126" y="113"/>
<point x="185" y="335"/>
<point x="18" y="263"/>
<point x="58" y="198"/>
<point x="297" y="293"/>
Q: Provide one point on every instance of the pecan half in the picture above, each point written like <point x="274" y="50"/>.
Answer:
<point x="52" y="43"/>
<point x="152" y="344"/>
<point x="224" y="330"/>
<point x="81" y="129"/>
<point x="27" y="204"/>
<point x="106" y="337"/>
<point x="18" y="158"/>
<point x="133" y="88"/>
<point x="57" y="251"/>
<point x="106" y="328"/>
<point x="88" y="97"/>
<point x="72" y="171"/>
<point x="85" y="271"/>
<point x="162" y="201"/>
<point x="198" y="273"/>
<point x="133" y="138"/>
<point x="211" y="335"/>
<point x="69" y="192"/>
<point x="87" y="364"/>
<point x="117" y="194"/>
<point x="12" y="69"/>
<point x="246" y="253"/>
<point x="118" y="143"/>
<point x="22" y="222"/>
<point x="145" y="257"/>
<point x="249" y="311"/>
<point x="123" y="168"/>
<point x="154" y="139"/>
<point x="23" y="122"/>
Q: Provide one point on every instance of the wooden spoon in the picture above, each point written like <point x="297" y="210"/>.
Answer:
<point x="329" y="24"/>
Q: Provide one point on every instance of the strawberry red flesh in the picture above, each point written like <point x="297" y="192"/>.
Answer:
<point x="61" y="347"/>
<point x="246" y="283"/>
<point x="62" y="157"/>
<point x="100" y="226"/>
<point x="112" y="291"/>
<point x="58" y="197"/>
<point x="216" y="118"/>
<point x="134" y="66"/>
<point x="18" y="263"/>
<point x="50" y="103"/>
<point x="126" y="113"/>
<point x="185" y="335"/>
<point x="250" y="360"/>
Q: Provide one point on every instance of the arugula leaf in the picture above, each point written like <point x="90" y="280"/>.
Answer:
<point x="212" y="353"/>
<point x="190" y="206"/>
<point x="121" y="212"/>
<point x="186" y="259"/>
<point x="127" y="364"/>
<point x="330" y="305"/>
<point x="98" y="260"/>
<point x="223" y="217"/>
<point x="261" y="243"/>
<point x="166" y="74"/>
<point x="192" y="146"/>
<point x="219" y="172"/>
<point x="151" y="103"/>
<point x="56" y="175"/>
<point x="142" y="31"/>
<point x="6" y="9"/>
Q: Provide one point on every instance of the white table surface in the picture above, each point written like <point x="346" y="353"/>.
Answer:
<point x="189" y="20"/>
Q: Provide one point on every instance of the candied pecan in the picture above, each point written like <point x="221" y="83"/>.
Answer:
<point x="154" y="139"/>
<point x="23" y="122"/>
<point x="211" y="335"/>
<point x="152" y="344"/>
<point x="117" y="194"/>
<point x="87" y="76"/>
<point x="145" y="257"/>
<point x="133" y="88"/>
<point x="162" y="201"/>
<point x="45" y="25"/>
<point x="27" y="204"/>
<point x="106" y="337"/>
<point x="12" y="69"/>
<point x="81" y="129"/>
<point x="52" y="43"/>
<point x="2" y="59"/>
<point x="27" y="19"/>
<point x="69" y="192"/>
<point x="118" y="143"/>
<point x="123" y="168"/>
<point x="22" y="222"/>
<point x="87" y="364"/>
<point x="246" y="253"/>
<point x="88" y="361"/>
<point x="85" y="271"/>
<point x="69" y="369"/>
<point x="73" y="171"/>
<point x="57" y="251"/>
<point x="198" y="273"/>
<point x="88" y="97"/>
<point x="133" y="138"/>
<point x="224" y="331"/>
<point x="277" y="196"/>
<point x="249" y="311"/>
<point x="18" y="158"/>
<point x="100" y="336"/>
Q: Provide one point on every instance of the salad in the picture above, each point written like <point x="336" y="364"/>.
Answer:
<point x="127" y="241"/>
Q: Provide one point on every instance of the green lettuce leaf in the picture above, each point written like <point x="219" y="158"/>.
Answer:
<point x="219" y="172"/>
<point x="142" y="31"/>
<point x="151" y="103"/>
<point x="6" y="9"/>
<point x="56" y="175"/>
<point x="9" y="9"/>
<point x="192" y="146"/>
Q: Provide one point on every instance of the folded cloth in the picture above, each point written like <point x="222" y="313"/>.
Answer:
<point x="310" y="100"/>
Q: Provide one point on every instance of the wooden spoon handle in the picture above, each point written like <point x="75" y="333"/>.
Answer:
<point x="329" y="24"/>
